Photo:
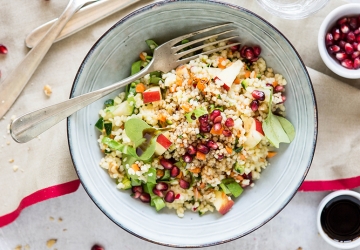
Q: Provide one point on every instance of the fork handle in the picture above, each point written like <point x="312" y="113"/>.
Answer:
<point x="29" y="126"/>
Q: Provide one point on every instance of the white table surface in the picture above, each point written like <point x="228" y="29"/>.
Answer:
<point x="83" y="224"/>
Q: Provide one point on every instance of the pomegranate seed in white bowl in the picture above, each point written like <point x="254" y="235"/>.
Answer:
<point x="339" y="39"/>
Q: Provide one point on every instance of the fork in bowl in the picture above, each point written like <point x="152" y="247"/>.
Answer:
<point x="166" y="57"/>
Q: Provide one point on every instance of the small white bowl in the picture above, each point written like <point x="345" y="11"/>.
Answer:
<point x="328" y="22"/>
<point x="329" y="197"/>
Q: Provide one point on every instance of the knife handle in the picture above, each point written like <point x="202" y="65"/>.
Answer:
<point x="83" y="18"/>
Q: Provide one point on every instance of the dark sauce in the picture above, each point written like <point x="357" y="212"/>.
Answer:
<point x="148" y="134"/>
<point x="340" y="218"/>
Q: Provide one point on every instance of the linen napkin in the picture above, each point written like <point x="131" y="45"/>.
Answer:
<point x="42" y="168"/>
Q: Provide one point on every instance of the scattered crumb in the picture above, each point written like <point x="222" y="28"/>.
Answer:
<point x="22" y="170"/>
<point x="12" y="117"/>
<point x="2" y="101"/>
<point x="8" y="143"/>
<point x="26" y="247"/>
<point x="47" y="90"/>
<point x="51" y="242"/>
<point x="11" y="160"/>
<point x="4" y="117"/>
<point x="60" y="219"/>
<point x="299" y="248"/>
<point x="8" y="128"/>
<point x="51" y="218"/>
<point x="64" y="230"/>
<point x="18" y="247"/>
<point x="38" y="137"/>
<point x="15" y="168"/>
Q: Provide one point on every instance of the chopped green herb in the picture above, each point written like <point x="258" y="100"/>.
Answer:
<point x="100" y="124"/>
<point x="109" y="102"/>
<point x="238" y="150"/>
<point x="152" y="45"/>
<point x="166" y="175"/>
<point x="108" y="128"/>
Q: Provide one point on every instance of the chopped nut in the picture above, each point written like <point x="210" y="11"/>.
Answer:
<point x="18" y="247"/>
<point x="51" y="218"/>
<point x="15" y="168"/>
<point x="8" y="143"/>
<point x="47" y="90"/>
<point x="11" y="160"/>
<point x="60" y="219"/>
<point x="26" y="247"/>
<point x="51" y="242"/>
<point x="64" y="230"/>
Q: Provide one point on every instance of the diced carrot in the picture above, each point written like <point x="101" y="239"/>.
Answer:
<point x="180" y="175"/>
<point x="140" y="88"/>
<point x="200" y="156"/>
<point x="173" y="89"/>
<point x="103" y="150"/>
<point x="111" y="136"/>
<point x="135" y="167"/>
<point x="202" y="185"/>
<point x="232" y="174"/>
<point x="247" y="73"/>
<point x="185" y="107"/>
<point x="197" y="194"/>
<point x="239" y="177"/>
<point x="159" y="173"/>
<point x="179" y="80"/>
<point x="242" y="157"/>
<point x="195" y="170"/>
<point x="200" y="86"/>
<point x="220" y="65"/>
<point x="237" y="80"/>
<point x="182" y="145"/>
<point x="161" y="118"/>
<point x="228" y="149"/>
<point x="143" y="56"/>
<point x="275" y="84"/>
<point x="261" y="160"/>
<point x="271" y="154"/>
<point x="190" y="81"/>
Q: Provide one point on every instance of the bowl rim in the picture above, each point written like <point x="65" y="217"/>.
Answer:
<point x="331" y="63"/>
<point x="216" y="2"/>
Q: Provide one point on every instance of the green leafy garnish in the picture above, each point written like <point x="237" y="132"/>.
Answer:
<point x="152" y="45"/>
<point x="151" y="175"/>
<point x="134" y="128"/>
<point x="287" y="126"/>
<point x="135" y="67"/>
<point x="109" y="102"/>
<point x="197" y="113"/>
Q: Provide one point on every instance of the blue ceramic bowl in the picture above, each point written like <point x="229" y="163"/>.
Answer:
<point x="109" y="61"/>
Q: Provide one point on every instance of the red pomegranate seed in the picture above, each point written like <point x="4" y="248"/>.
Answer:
<point x="162" y="186"/>
<point x="341" y="56"/>
<point x="358" y="47"/>
<point x="191" y="150"/>
<point x="329" y="39"/>
<point x="144" y="197"/>
<point x="242" y="51"/>
<point x="229" y="122"/>
<point x="217" y="127"/>
<point x="350" y="36"/>
<point x="202" y="148"/>
<point x="226" y="133"/>
<point x="334" y="48"/>
<point x="336" y="34"/>
<point x="254" y="59"/>
<point x="215" y="113"/>
<point x="342" y="36"/>
<point x="3" y="49"/>
<point x="254" y="105"/>
<point x="220" y="157"/>
<point x="233" y="48"/>
<point x="358" y="38"/>
<point x="342" y="44"/>
<point x="279" y="88"/>
<point x="356" y="64"/>
<point x="205" y="128"/>
<point x="158" y="192"/>
<point x="97" y="247"/>
<point x="166" y="163"/>
<point x="342" y="20"/>
<point x="211" y="144"/>
<point x="204" y="119"/>
<point x="258" y="95"/>
<point x="137" y="195"/>
<point x="169" y="197"/>
<point x="357" y="31"/>
<point x="249" y="53"/>
<point x="344" y="28"/>
<point x="353" y="22"/>
<point x="355" y="54"/>
<point x="177" y="196"/>
<point x="347" y="63"/>
<point x="218" y="119"/>
<point x="349" y="48"/>
<point x="187" y="158"/>
<point x="184" y="184"/>
<point x="138" y="189"/>
<point x="270" y="85"/>
<point x="283" y="98"/>
<point x="175" y="171"/>
<point x="257" y="50"/>
<point x="355" y="46"/>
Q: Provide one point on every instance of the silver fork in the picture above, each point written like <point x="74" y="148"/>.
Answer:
<point x="166" y="57"/>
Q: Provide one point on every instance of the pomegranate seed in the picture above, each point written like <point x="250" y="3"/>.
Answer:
<point x="358" y="38"/>
<point x="344" y="28"/>
<point x="218" y="119"/>
<point x="350" y="36"/>
<point x="187" y="158"/>
<point x="211" y="144"/>
<point x="347" y="63"/>
<point x="353" y="22"/>
<point x="158" y="192"/>
<point x="270" y="85"/>
<point x="144" y="197"/>
<point x="203" y="149"/>
<point x="177" y="196"/>
<point x="336" y="34"/>
<point x="342" y="36"/>
<point x="229" y="122"/>
<point x="349" y="48"/>
<point x="166" y="163"/>
<point x="191" y="150"/>
<point x="242" y="51"/>
<point x="257" y="50"/>
<point x="283" y="98"/>
<point x="169" y="197"/>
<point x="226" y="133"/>
<point x="342" y="44"/>
<point x="342" y="20"/>
<point x="220" y="157"/>
<point x="355" y="54"/>
<point x="341" y="56"/>
<point x="355" y="46"/>
<point x="215" y="113"/>
<point x="279" y="88"/>
<point x="357" y="31"/>
<point x="175" y="171"/>
<point x="254" y="105"/>
<point x="204" y="119"/>
<point x="358" y="47"/>
<point x="137" y="195"/>
<point x="184" y="184"/>
<point x="3" y="49"/>
<point x="356" y="64"/>
<point x="233" y="48"/>
<point x="254" y="59"/>
<point x="97" y="247"/>
<point x="138" y="189"/>
<point x="217" y="127"/>
<point x="334" y="48"/>
<point x="329" y="39"/>
<point x="249" y="53"/>
<point x="205" y="129"/>
<point x="162" y="186"/>
<point x="258" y="95"/>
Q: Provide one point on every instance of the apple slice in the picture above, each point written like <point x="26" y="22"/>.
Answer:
<point x="152" y="94"/>
<point x="254" y="133"/>
<point x="222" y="202"/>
<point x="162" y="144"/>
<point x="228" y="75"/>
<point x="213" y="72"/>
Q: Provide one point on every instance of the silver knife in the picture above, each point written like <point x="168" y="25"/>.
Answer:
<point x="83" y="18"/>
